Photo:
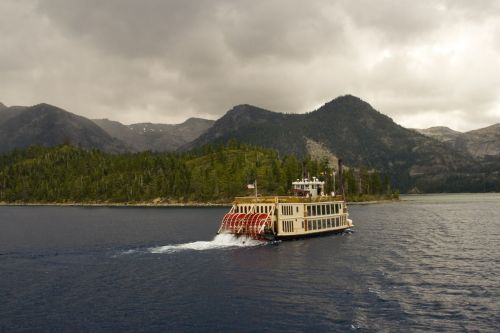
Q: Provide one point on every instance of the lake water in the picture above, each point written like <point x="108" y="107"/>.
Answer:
<point x="428" y="263"/>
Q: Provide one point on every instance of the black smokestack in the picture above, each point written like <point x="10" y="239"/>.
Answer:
<point x="341" y="177"/>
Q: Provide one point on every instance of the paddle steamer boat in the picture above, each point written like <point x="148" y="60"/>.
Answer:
<point x="309" y="212"/>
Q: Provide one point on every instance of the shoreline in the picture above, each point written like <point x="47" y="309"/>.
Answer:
<point x="156" y="205"/>
<point x="91" y="204"/>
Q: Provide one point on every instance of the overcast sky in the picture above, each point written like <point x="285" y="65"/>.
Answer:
<point x="423" y="63"/>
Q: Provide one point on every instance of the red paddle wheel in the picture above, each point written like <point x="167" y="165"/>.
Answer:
<point x="254" y="225"/>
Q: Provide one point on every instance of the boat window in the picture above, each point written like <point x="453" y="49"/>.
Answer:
<point x="308" y="210"/>
<point x="328" y="209"/>
<point x="309" y="225"/>
<point x="323" y="223"/>
<point x="296" y="209"/>
<point x="314" y="210"/>
<point x="302" y="224"/>
<point x="323" y="209"/>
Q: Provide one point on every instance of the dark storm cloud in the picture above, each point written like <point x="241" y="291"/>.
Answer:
<point x="421" y="62"/>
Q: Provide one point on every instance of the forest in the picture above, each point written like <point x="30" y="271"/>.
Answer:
<point x="212" y="174"/>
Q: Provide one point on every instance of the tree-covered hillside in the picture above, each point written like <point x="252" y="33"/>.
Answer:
<point x="211" y="174"/>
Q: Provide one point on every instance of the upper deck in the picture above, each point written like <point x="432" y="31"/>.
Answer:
<point x="286" y="199"/>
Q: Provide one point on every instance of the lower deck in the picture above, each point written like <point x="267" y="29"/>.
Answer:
<point x="325" y="232"/>
<point x="312" y="225"/>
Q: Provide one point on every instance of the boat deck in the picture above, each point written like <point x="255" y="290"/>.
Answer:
<point x="287" y="199"/>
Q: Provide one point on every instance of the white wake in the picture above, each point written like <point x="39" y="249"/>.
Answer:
<point x="219" y="242"/>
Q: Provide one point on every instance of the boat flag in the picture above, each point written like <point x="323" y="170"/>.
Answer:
<point x="250" y="186"/>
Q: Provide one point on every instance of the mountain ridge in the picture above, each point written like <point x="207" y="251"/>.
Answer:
<point x="47" y="125"/>
<point x="345" y="127"/>
<point x="153" y="136"/>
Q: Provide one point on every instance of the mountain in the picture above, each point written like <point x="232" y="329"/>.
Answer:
<point x="47" y="125"/>
<point x="479" y="143"/>
<point x="440" y="133"/>
<point x="155" y="137"/>
<point x="483" y="142"/>
<point x="347" y="127"/>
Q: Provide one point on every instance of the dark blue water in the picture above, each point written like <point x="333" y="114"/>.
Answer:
<point x="425" y="264"/>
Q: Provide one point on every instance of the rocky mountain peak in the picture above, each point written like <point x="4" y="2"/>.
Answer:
<point x="440" y="133"/>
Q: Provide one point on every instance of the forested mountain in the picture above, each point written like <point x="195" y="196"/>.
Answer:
<point x="347" y="127"/>
<point x="155" y="137"/>
<point x="350" y="128"/>
<point x="47" y="125"/>
<point x="215" y="173"/>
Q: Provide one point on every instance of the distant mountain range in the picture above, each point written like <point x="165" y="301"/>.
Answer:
<point x="48" y="125"/>
<point x="155" y="137"/>
<point x="480" y="143"/>
<point x="435" y="159"/>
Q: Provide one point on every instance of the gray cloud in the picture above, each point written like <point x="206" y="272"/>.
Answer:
<point x="423" y="63"/>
